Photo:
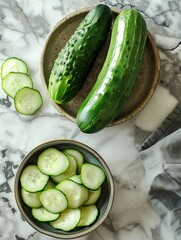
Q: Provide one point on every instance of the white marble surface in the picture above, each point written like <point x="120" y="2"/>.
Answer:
<point x="24" y="25"/>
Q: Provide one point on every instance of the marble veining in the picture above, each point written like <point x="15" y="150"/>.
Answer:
<point x="24" y="25"/>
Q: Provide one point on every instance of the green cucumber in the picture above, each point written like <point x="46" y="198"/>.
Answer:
<point x="118" y="75"/>
<point x="76" y="58"/>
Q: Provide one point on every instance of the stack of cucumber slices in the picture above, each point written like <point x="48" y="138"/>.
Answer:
<point x="62" y="188"/>
<point x="18" y="85"/>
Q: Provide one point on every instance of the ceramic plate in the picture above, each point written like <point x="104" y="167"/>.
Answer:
<point x="143" y="89"/>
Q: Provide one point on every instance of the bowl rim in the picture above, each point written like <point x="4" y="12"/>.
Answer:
<point x="98" y="157"/>
<point x="145" y="100"/>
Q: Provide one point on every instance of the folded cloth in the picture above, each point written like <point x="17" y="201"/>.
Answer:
<point x="161" y="157"/>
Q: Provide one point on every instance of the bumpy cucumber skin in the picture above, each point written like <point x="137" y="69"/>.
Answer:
<point x="118" y="75"/>
<point x="76" y="58"/>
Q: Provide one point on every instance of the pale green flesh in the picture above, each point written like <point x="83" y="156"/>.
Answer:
<point x="42" y="215"/>
<point x="13" y="65"/>
<point x="74" y="192"/>
<point x="78" y="157"/>
<point x="32" y="180"/>
<point x="67" y="220"/>
<point x="15" y="81"/>
<point x="27" y="101"/>
<point x="31" y="199"/>
<point x="88" y="215"/>
<point x="53" y="200"/>
<point x="70" y="171"/>
<point x="92" y="176"/>
<point x="52" y="162"/>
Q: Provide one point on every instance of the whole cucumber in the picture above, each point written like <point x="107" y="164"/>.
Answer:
<point x="76" y="58"/>
<point x="118" y="75"/>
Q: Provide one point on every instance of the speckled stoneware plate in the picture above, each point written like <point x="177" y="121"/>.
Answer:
<point x="143" y="89"/>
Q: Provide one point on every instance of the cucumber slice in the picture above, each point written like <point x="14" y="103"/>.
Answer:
<point x="13" y="64"/>
<point x="78" y="157"/>
<point x="75" y="193"/>
<point x="88" y="215"/>
<point x="76" y="178"/>
<point x="93" y="196"/>
<point x="71" y="170"/>
<point x="42" y="215"/>
<point x="14" y="81"/>
<point x="50" y="184"/>
<point x="53" y="200"/>
<point x="92" y="176"/>
<point x="31" y="199"/>
<point x="52" y="162"/>
<point x="32" y="180"/>
<point x="67" y="220"/>
<point x="27" y="101"/>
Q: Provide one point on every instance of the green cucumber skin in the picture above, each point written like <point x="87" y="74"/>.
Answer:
<point x="76" y="58"/>
<point x="118" y="75"/>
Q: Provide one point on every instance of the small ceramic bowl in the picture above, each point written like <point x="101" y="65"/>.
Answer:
<point x="104" y="203"/>
<point x="143" y="89"/>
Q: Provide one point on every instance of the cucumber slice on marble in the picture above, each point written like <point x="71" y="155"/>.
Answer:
<point x="13" y="64"/>
<point x="27" y="101"/>
<point x="14" y="81"/>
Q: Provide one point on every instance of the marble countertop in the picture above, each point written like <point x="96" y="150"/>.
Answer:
<point x="24" y="25"/>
